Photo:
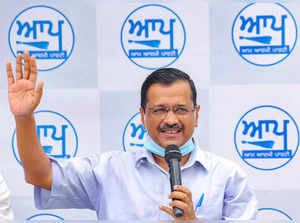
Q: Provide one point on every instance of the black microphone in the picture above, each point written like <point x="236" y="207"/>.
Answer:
<point x="173" y="158"/>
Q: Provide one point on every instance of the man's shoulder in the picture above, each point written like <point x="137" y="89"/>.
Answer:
<point x="116" y="158"/>
<point x="102" y="160"/>
<point x="120" y="154"/>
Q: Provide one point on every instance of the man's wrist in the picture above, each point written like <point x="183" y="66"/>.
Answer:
<point x="22" y="118"/>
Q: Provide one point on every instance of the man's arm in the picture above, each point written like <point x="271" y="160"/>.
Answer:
<point x="24" y="97"/>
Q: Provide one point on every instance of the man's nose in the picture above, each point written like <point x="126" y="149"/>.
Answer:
<point x="171" y="118"/>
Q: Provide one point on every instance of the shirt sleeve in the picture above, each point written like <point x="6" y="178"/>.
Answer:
<point x="6" y="212"/>
<point x="239" y="199"/>
<point x="74" y="185"/>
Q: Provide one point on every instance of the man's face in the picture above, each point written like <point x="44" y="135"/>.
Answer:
<point x="170" y="116"/>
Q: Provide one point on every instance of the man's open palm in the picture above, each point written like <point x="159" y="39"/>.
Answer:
<point x="22" y="95"/>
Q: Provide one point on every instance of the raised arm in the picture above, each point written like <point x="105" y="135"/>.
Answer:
<point x="24" y="97"/>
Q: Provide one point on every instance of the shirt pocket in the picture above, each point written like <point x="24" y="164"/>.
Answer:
<point x="209" y="205"/>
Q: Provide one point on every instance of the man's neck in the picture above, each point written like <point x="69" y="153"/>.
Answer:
<point x="163" y="164"/>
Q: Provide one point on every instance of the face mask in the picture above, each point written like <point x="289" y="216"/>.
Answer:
<point x="150" y="145"/>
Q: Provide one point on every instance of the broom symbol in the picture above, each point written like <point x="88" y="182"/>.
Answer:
<point x="151" y="43"/>
<point x="259" y="39"/>
<point x="265" y="144"/>
<point x="40" y="44"/>
<point x="136" y="144"/>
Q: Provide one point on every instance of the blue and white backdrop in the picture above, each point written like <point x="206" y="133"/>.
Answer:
<point x="94" y="55"/>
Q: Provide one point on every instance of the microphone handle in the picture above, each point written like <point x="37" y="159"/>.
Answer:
<point x="175" y="179"/>
<point x="178" y="212"/>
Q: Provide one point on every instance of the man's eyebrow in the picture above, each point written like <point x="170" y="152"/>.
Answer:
<point x="165" y="105"/>
<point x="160" y="105"/>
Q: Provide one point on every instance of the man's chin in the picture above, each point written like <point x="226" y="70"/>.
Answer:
<point x="167" y="142"/>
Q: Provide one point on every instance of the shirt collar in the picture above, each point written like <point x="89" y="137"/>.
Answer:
<point x="143" y="155"/>
<point x="197" y="156"/>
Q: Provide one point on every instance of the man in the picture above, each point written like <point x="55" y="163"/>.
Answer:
<point x="132" y="185"/>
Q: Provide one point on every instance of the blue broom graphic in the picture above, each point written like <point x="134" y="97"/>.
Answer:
<point x="40" y="44"/>
<point x="136" y="144"/>
<point x="151" y="43"/>
<point x="265" y="144"/>
<point x="259" y="39"/>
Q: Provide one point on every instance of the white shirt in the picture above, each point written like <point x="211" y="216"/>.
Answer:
<point x="5" y="202"/>
<point x="131" y="186"/>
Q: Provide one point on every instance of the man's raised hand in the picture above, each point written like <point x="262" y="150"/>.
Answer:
<point x="23" y="95"/>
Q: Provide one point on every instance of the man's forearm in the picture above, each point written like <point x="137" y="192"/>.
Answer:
<point x="36" y="164"/>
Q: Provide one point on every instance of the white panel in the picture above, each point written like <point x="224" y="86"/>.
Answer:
<point x="229" y="104"/>
<point x="228" y="67"/>
<point x="118" y="72"/>
<point x="78" y="37"/>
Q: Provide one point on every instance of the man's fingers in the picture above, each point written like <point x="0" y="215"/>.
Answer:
<point x="26" y="65"/>
<point x="19" y="72"/>
<point x="183" y="189"/>
<point x="179" y="204"/>
<point x="179" y="195"/>
<point x="10" y="75"/>
<point x="182" y="199"/>
<point x="167" y="210"/>
<point x="33" y="69"/>
<point x="187" y="208"/>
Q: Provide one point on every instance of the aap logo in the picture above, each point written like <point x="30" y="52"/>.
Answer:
<point x="45" y="216"/>
<point x="134" y="134"/>
<point x="272" y="213"/>
<point x="264" y="34"/>
<point x="266" y="137"/>
<point x="56" y="133"/>
<point x="153" y="36"/>
<point x="45" y="32"/>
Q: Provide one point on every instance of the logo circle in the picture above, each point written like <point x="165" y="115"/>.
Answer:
<point x="52" y="138"/>
<point x="45" y="33"/>
<point x="273" y="211"/>
<point x="153" y="36"/>
<point x="264" y="34"/>
<point x="134" y="134"/>
<point x="266" y="137"/>
<point x="44" y="216"/>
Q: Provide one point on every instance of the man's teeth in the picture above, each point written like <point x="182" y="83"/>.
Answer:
<point x="172" y="131"/>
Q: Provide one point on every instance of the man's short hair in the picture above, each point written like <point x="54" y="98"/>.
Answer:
<point x="166" y="76"/>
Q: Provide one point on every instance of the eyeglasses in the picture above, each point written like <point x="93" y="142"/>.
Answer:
<point x="178" y="110"/>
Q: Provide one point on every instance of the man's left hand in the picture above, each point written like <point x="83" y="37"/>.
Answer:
<point x="183" y="201"/>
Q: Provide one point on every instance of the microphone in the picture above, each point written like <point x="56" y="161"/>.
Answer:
<point x="173" y="158"/>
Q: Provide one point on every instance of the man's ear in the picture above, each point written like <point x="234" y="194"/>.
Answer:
<point x="197" y="109"/>
<point x="142" y="112"/>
